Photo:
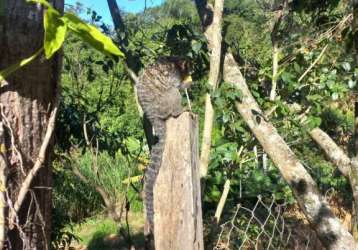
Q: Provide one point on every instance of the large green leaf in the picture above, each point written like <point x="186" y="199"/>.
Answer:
<point x="55" y="32"/>
<point x="8" y="71"/>
<point x="90" y="34"/>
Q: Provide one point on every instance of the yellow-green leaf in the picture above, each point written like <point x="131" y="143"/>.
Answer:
<point x="133" y="179"/>
<point x="8" y="71"/>
<point x="90" y="34"/>
<point x="55" y="32"/>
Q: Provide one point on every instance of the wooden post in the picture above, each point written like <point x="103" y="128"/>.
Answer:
<point x="177" y="200"/>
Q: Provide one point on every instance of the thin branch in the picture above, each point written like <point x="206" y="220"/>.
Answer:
<point x="313" y="64"/>
<point x="279" y="15"/>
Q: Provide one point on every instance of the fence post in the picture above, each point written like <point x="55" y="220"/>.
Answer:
<point x="177" y="200"/>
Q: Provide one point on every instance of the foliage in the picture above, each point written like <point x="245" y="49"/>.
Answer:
<point x="97" y="94"/>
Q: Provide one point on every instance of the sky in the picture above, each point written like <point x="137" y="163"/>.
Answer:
<point x="101" y="7"/>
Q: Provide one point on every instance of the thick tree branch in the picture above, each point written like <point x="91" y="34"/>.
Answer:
<point x="335" y="154"/>
<point x="214" y="38"/>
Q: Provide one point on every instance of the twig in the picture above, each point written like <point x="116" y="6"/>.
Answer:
<point x="313" y="64"/>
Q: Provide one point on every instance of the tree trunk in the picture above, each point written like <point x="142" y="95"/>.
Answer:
<point x="177" y="200"/>
<point x="27" y="98"/>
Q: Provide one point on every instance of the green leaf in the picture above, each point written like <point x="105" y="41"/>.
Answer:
<point x="314" y="122"/>
<point x="196" y="46"/>
<point x="297" y="67"/>
<point x="55" y="32"/>
<point x="90" y="34"/>
<point x="8" y="71"/>
<point x="132" y="144"/>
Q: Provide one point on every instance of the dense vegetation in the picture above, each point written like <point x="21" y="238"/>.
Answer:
<point x="101" y="148"/>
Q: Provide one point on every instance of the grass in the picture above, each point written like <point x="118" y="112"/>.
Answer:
<point x="100" y="233"/>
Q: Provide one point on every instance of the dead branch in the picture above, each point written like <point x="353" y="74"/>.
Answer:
<point x="222" y="201"/>
<point x="335" y="154"/>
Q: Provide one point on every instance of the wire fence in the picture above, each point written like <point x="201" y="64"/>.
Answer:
<point x="263" y="226"/>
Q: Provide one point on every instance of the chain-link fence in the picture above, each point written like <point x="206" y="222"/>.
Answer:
<point x="267" y="224"/>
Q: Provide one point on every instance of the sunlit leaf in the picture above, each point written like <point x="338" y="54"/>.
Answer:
<point x="90" y="34"/>
<point x="8" y="71"/>
<point x="134" y="179"/>
<point x="55" y="32"/>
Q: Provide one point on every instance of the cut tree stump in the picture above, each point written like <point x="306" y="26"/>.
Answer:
<point x="177" y="199"/>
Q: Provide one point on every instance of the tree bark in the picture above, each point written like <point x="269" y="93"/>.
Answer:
<point x="177" y="200"/>
<point x="317" y="211"/>
<point x="28" y="98"/>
